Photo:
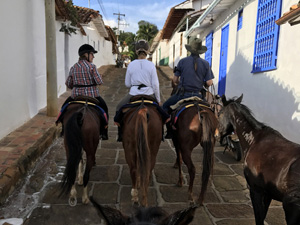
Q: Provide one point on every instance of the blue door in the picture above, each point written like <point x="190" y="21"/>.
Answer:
<point x="223" y="60"/>
<point x="209" y="44"/>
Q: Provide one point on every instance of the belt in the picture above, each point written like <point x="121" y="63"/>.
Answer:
<point x="140" y="86"/>
<point x="192" y="92"/>
<point x="82" y="85"/>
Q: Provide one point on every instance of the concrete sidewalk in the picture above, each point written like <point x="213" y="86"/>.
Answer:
<point x="21" y="148"/>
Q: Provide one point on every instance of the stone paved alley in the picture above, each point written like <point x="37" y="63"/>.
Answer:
<point x="227" y="200"/>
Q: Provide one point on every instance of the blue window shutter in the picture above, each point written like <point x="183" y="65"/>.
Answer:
<point x="209" y="44"/>
<point x="266" y="36"/>
<point x="240" y="20"/>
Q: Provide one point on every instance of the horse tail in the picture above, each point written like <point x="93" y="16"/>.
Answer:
<point x="143" y="151"/>
<point x="73" y="139"/>
<point x="209" y="125"/>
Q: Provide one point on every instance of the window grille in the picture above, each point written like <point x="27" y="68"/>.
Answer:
<point x="209" y="44"/>
<point x="240" y="20"/>
<point x="266" y="36"/>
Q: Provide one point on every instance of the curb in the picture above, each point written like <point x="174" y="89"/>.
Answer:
<point x="11" y="178"/>
<point x="163" y="73"/>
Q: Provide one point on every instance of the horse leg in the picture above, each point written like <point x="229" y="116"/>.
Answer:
<point x="134" y="190"/>
<point x="90" y="159"/>
<point x="178" y="160"/>
<point x="260" y="203"/>
<point x="80" y="173"/>
<point x="291" y="206"/>
<point x="178" y="163"/>
<point x="73" y="196"/>
<point x="186" y="156"/>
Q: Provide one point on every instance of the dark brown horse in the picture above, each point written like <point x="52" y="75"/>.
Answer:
<point x="81" y="132"/>
<point x="196" y="124"/>
<point x="142" y="135"/>
<point x="272" y="163"/>
<point x="145" y="216"/>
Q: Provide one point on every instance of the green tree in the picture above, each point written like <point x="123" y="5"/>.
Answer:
<point x="146" y="31"/>
<point x="127" y="39"/>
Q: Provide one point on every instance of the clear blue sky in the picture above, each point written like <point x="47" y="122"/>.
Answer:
<point x="153" y="11"/>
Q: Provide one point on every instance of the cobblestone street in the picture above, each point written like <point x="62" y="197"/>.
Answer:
<point x="227" y="200"/>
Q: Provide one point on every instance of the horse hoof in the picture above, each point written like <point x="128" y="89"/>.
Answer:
<point x="192" y="203"/>
<point x="85" y="201"/>
<point x="72" y="201"/>
<point x="179" y="184"/>
<point x="135" y="204"/>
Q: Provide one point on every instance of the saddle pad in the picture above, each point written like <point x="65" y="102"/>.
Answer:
<point x="194" y="98"/>
<point x="102" y="112"/>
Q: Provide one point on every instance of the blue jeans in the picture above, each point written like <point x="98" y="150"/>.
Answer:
<point x="175" y="98"/>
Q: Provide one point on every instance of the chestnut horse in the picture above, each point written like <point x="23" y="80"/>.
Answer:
<point x="271" y="164"/>
<point x="196" y="124"/>
<point x="142" y="135"/>
<point x="81" y="132"/>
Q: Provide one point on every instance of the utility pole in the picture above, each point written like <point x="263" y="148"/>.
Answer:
<point x="119" y="19"/>
<point x="52" y="102"/>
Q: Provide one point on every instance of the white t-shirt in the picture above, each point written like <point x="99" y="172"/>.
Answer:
<point x="142" y="71"/>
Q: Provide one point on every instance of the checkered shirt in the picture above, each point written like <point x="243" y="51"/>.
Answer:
<point x="84" y="73"/>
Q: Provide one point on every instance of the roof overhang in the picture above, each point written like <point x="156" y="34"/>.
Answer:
<point x="216" y="8"/>
<point x="155" y="42"/>
<point x="173" y="19"/>
<point x="100" y="26"/>
<point x="292" y="17"/>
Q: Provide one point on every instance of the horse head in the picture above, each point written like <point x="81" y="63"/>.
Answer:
<point x="225" y="124"/>
<point x="145" y="216"/>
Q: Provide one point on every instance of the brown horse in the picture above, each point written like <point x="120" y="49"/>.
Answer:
<point x="142" y="135"/>
<point x="145" y="216"/>
<point x="81" y="132"/>
<point x="196" y="124"/>
<point x="271" y="165"/>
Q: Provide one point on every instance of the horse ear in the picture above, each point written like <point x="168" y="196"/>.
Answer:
<point x="239" y="100"/>
<point x="181" y="217"/>
<point x="224" y="101"/>
<point x="112" y="216"/>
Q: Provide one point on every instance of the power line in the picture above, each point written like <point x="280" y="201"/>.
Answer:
<point x="102" y="8"/>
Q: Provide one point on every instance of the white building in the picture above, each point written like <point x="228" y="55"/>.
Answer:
<point x="249" y="53"/>
<point x="23" y="56"/>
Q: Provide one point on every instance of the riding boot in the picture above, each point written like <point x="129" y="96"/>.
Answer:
<point x="169" y="134"/>
<point x="104" y="134"/>
<point x="120" y="135"/>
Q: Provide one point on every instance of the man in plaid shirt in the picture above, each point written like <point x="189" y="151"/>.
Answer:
<point x="83" y="79"/>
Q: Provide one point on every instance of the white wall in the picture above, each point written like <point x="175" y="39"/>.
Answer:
<point x="23" y="60"/>
<point x="22" y="86"/>
<point x="175" y="40"/>
<point x="273" y="96"/>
